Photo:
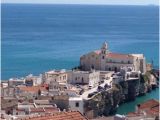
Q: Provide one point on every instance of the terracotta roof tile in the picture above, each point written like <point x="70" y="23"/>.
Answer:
<point x="36" y="110"/>
<point x="73" y="115"/>
<point x="51" y="110"/>
<point x="151" y="107"/>
<point x="149" y="104"/>
<point x="119" y="55"/>
<point x="115" y="55"/>
<point x="32" y="88"/>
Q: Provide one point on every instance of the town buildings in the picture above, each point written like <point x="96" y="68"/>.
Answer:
<point x="82" y="90"/>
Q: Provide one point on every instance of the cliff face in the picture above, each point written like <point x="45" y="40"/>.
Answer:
<point x="106" y="102"/>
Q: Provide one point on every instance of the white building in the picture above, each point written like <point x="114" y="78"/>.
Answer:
<point x="56" y="75"/>
<point x="103" y="59"/>
<point x="15" y="82"/>
<point x="105" y="75"/>
<point x="76" y="104"/>
<point x="124" y="75"/>
<point x="83" y="77"/>
<point x="31" y="80"/>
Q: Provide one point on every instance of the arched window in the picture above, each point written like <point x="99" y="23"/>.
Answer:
<point x="102" y="57"/>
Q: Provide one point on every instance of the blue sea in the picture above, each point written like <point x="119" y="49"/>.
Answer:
<point x="37" y="38"/>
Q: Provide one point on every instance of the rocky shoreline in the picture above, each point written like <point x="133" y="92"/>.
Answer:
<point x="107" y="102"/>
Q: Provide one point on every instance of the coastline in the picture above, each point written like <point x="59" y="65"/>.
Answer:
<point x="102" y="82"/>
<point x="124" y="108"/>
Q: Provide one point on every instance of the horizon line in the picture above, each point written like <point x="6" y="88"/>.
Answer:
<point x="83" y="4"/>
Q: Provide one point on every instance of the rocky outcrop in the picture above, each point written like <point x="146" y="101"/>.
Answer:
<point x="106" y="102"/>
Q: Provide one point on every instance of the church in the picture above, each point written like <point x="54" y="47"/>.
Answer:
<point x="106" y="60"/>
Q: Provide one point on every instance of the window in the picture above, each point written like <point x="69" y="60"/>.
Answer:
<point x="82" y="80"/>
<point x="102" y="57"/>
<point x="77" y="104"/>
<point x="92" y="66"/>
<point x="115" y="69"/>
<point x="128" y="62"/>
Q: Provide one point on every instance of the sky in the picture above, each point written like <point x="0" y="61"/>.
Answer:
<point x="105" y="2"/>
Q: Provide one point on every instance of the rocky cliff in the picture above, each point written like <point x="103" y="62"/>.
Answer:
<point x="106" y="102"/>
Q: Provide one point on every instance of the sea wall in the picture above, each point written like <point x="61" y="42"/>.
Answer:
<point x="106" y="102"/>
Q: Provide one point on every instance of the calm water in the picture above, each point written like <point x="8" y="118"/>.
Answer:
<point x="130" y="106"/>
<point x="37" y="38"/>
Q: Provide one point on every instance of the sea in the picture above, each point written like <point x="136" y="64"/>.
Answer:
<point x="40" y="37"/>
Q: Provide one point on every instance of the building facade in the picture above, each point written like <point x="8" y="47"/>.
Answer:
<point x="105" y="60"/>
<point x="84" y="77"/>
<point x="59" y="76"/>
<point x="76" y="104"/>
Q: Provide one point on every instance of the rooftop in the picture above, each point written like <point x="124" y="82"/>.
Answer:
<point x="36" y="110"/>
<point x="32" y="88"/>
<point x="119" y="55"/>
<point x="151" y="107"/>
<point x="73" y="115"/>
<point x="116" y="55"/>
<point x="76" y="98"/>
<point x="51" y="109"/>
<point x="56" y="71"/>
<point x="7" y="103"/>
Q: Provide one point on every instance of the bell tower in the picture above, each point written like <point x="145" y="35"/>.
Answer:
<point x="104" y="51"/>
